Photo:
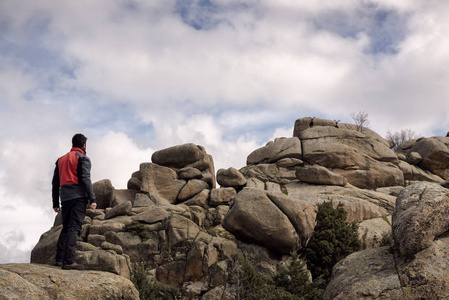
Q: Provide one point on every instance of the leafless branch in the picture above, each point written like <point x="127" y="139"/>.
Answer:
<point x="360" y="120"/>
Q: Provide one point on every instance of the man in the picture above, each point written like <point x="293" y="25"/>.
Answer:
<point x="71" y="182"/>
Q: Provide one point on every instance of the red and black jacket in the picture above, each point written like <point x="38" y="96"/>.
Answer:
<point x="71" y="178"/>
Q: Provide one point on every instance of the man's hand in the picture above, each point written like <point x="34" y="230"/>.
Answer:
<point x="93" y="205"/>
<point x="56" y="209"/>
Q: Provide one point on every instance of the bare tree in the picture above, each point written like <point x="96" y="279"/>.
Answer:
<point x="360" y="120"/>
<point x="399" y="137"/>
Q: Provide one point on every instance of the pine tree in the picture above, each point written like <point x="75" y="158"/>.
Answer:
<point x="332" y="240"/>
<point x="295" y="280"/>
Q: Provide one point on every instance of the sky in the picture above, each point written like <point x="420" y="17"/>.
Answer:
<point x="137" y="76"/>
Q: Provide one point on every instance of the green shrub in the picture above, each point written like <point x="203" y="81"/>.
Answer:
<point x="252" y="285"/>
<point x="291" y="283"/>
<point x="148" y="290"/>
<point x="295" y="280"/>
<point x="332" y="240"/>
<point x="138" y="229"/>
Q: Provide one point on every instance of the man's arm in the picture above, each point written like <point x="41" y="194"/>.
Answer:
<point x="55" y="189"/>
<point x="84" y="179"/>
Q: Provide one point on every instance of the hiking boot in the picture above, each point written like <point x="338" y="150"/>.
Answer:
<point x="73" y="266"/>
<point x="58" y="263"/>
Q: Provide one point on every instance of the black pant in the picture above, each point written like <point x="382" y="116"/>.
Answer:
<point x="73" y="214"/>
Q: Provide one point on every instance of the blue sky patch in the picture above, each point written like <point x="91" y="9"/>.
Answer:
<point x="199" y="14"/>
<point x="205" y="14"/>
<point x="385" y="28"/>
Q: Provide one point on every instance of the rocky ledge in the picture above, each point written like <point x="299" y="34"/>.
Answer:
<point x="34" y="281"/>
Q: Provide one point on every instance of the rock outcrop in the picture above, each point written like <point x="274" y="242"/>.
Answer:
<point x="420" y="216"/>
<point x="363" y="159"/>
<point x="190" y="233"/>
<point x="429" y="154"/>
<point x="33" y="281"/>
<point x="366" y="162"/>
<point x="416" y="266"/>
<point x="277" y="150"/>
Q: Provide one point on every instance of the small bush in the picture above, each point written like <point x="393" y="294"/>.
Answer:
<point x="295" y="280"/>
<point x="397" y="138"/>
<point x="291" y="283"/>
<point x="332" y="240"/>
<point x="148" y="290"/>
<point x="252" y="285"/>
<point x="138" y="229"/>
<point x="360" y="120"/>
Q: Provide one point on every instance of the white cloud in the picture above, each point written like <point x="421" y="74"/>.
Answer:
<point x="282" y="132"/>
<point x="12" y="254"/>
<point x="115" y="156"/>
<point x="206" y="131"/>
<point x="22" y="223"/>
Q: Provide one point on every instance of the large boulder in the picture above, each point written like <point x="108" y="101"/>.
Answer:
<point x="274" y="151"/>
<point x="253" y="217"/>
<point x="230" y="177"/>
<point x="420" y="216"/>
<point x="192" y="187"/>
<point x="364" y="161"/>
<point x="184" y="159"/>
<point x="44" y="252"/>
<point x="33" y="281"/>
<point x="301" y="214"/>
<point x="104" y="193"/>
<point x="160" y="180"/>
<point x="200" y="199"/>
<point x="414" y="173"/>
<point x="178" y="156"/>
<point x="105" y="260"/>
<point x="380" y="274"/>
<point x="359" y="204"/>
<point x="181" y="229"/>
<point x="414" y="158"/>
<point x="306" y="123"/>
<point x="368" y="274"/>
<point x="121" y="209"/>
<point x="435" y="155"/>
<point x="425" y="276"/>
<point x="189" y="173"/>
<point x="135" y="182"/>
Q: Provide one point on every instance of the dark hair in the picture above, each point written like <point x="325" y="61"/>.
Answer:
<point x="78" y="140"/>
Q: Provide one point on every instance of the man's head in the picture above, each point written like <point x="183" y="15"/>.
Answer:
<point x="79" y="140"/>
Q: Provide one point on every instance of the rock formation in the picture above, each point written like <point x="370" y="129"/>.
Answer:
<point x="33" y="281"/>
<point x="416" y="266"/>
<point x="429" y="154"/>
<point x="189" y="232"/>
